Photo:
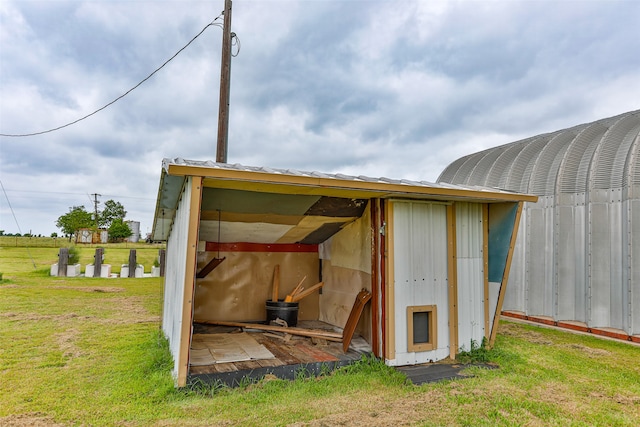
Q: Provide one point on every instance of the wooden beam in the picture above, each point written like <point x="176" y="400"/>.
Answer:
<point x="298" y="296"/>
<point x="276" y="283"/>
<point x="211" y="265"/>
<point x="452" y="274"/>
<point x="349" y="328"/>
<point x="259" y="247"/>
<point x="375" y="275"/>
<point x="189" y="278"/>
<point x="389" y="321"/>
<point x="331" y="336"/>
<point x="485" y="268"/>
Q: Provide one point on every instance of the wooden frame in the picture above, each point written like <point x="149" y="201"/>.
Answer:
<point x="452" y="277"/>
<point x="432" y="326"/>
<point x="390" y="324"/>
<point x="485" y="268"/>
<point x="190" y="278"/>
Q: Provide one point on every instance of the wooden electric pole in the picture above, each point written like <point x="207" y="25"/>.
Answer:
<point x="225" y="85"/>
<point x="95" y="207"/>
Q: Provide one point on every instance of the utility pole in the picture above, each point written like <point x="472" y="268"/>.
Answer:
<point x="225" y="85"/>
<point x="95" y="207"/>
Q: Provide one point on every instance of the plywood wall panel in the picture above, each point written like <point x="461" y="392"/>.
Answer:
<point x="237" y="290"/>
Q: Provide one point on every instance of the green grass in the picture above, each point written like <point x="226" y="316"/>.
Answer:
<point x="28" y="259"/>
<point x="84" y="351"/>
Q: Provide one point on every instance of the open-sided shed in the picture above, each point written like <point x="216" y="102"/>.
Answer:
<point x="434" y="258"/>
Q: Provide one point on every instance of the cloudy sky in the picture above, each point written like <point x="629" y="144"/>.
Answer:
<point x="379" y="88"/>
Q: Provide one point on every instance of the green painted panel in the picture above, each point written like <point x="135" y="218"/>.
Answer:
<point x="502" y="217"/>
<point x="255" y="202"/>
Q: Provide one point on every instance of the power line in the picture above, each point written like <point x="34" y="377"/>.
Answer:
<point x="77" y="194"/>
<point x="16" y="220"/>
<point x="213" y="23"/>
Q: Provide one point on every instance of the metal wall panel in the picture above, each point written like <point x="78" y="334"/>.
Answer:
<point x="535" y="291"/>
<point x="175" y="274"/>
<point x="570" y="277"/>
<point x="619" y="288"/>
<point x="539" y="284"/>
<point x="420" y="273"/>
<point x="470" y="272"/>
<point x="634" y="266"/>
<point x="599" y="247"/>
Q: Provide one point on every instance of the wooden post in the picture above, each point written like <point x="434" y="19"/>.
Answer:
<point x="225" y="86"/>
<point x="161" y="257"/>
<point x="63" y="261"/>
<point x="97" y="262"/>
<point x="132" y="263"/>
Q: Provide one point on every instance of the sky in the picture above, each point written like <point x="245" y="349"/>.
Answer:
<point x="395" y="89"/>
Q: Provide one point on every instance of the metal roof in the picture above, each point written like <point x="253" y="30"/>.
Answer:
<point x="295" y="182"/>
<point x="598" y="155"/>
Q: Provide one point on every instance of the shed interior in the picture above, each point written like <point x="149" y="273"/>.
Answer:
<point x="255" y="239"/>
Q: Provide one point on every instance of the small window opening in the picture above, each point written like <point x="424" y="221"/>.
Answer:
<point x="422" y="328"/>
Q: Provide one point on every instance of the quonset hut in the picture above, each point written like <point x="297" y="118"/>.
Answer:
<point x="577" y="258"/>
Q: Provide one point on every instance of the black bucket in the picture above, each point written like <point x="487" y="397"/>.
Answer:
<point x="287" y="311"/>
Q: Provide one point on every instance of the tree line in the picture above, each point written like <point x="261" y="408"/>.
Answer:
<point x="111" y="218"/>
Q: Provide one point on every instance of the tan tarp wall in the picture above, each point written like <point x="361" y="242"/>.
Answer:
<point x="346" y="269"/>
<point x="237" y="290"/>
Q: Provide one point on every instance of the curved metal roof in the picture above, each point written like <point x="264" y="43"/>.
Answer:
<point x="593" y="156"/>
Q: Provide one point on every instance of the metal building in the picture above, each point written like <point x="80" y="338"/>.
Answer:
<point x="577" y="259"/>
<point x="433" y="259"/>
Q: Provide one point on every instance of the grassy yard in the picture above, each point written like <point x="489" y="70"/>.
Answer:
<point x="40" y="253"/>
<point x="84" y="351"/>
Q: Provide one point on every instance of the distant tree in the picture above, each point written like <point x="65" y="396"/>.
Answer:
<point x="54" y="234"/>
<point x="119" y="230"/>
<point x="112" y="212"/>
<point x="1" y="232"/>
<point x="74" y="220"/>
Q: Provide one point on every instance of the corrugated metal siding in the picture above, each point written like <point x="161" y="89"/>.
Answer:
<point x="175" y="275"/>
<point x="545" y="173"/>
<point x="634" y="264"/>
<point x="420" y="270"/>
<point x="580" y="243"/>
<point x="470" y="272"/>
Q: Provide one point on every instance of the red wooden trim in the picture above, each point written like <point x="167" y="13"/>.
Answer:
<point x="595" y="331"/>
<point x="611" y="334"/>
<point x="514" y="315"/>
<point x="544" y="321"/>
<point x="259" y="247"/>
<point x="573" y="326"/>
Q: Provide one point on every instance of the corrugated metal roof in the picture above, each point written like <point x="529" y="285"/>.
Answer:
<point x="167" y="163"/>
<point x="597" y="155"/>
<point x="296" y="182"/>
